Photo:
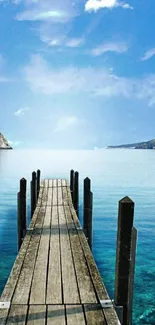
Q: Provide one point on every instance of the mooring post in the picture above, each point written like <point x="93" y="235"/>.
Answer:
<point x="33" y="192"/>
<point x="87" y="213"/>
<point x="131" y="276"/>
<point x="76" y="193"/>
<point x="123" y="256"/>
<point x="38" y="182"/>
<point x="72" y="183"/>
<point x="21" y="203"/>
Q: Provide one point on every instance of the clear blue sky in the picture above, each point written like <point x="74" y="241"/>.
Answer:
<point x="77" y="74"/>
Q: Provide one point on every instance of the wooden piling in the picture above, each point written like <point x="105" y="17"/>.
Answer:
<point x="87" y="213"/>
<point x="22" y="222"/>
<point x="123" y="254"/>
<point x="131" y="276"/>
<point x="72" y="183"/>
<point x="76" y="193"/>
<point x="38" y="182"/>
<point x="33" y="192"/>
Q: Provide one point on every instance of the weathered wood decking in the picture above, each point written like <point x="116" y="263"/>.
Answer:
<point x="55" y="280"/>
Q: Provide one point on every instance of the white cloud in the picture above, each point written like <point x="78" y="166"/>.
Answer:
<point x="63" y="123"/>
<point x="95" y="5"/>
<point x="21" y="111"/>
<point x="43" y="78"/>
<point x="74" y="42"/>
<point x="48" y="80"/>
<point x="110" y="47"/>
<point x="47" y="10"/>
<point x="148" y="54"/>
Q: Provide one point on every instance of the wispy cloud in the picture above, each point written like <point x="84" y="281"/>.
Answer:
<point x="47" y="10"/>
<point x="63" y="123"/>
<point x="43" y="78"/>
<point x="21" y="111"/>
<point x="120" y="47"/>
<point x="14" y="143"/>
<point x="148" y="54"/>
<point x="95" y="5"/>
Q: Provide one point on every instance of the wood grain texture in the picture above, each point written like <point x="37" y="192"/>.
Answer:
<point x="21" y="294"/>
<point x="75" y="315"/>
<point x="85" y="284"/>
<point x="17" y="315"/>
<point x="36" y="315"/>
<point x="94" y="315"/>
<point x="55" y="280"/>
<point x="56" y="315"/>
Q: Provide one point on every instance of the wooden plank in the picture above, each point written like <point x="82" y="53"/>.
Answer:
<point x="60" y="201"/>
<point x="111" y="316"/>
<point x="55" y="217"/>
<point x="39" y="201"/>
<point x="56" y="315"/>
<point x="54" y="283"/>
<point x="55" y="196"/>
<point x="64" y="195"/>
<point x="55" y="183"/>
<point x="14" y="275"/>
<point x="50" y="184"/>
<point x="17" y="315"/>
<point x="46" y="182"/>
<point x="74" y="217"/>
<point x="75" y="315"/>
<point x="3" y="316"/>
<point x="69" y="220"/>
<point x="69" y="195"/>
<point x="70" y="289"/>
<point x="64" y="182"/>
<point x="85" y="284"/>
<point x="50" y="196"/>
<point x="94" y="314"/>
<point x="21" y="294"/>
<point x="42" y="183"/>
<point x="59" y="182"/>
<point x="45" y="196"/>
<point x="36" y="315"/>
<point x="96" y="278"/>
<point x="38" y="289"/>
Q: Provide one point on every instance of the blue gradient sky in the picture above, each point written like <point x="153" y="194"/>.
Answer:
<point x="77" y="74"/>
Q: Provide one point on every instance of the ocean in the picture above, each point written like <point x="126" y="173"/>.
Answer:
<point x="114" y="174"/>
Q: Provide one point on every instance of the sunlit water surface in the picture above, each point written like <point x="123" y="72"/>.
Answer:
<point x="114" y="174"/>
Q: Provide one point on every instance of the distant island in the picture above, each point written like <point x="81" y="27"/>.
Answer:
<point x="4" y="143"/>
<point x="140" y="145"/>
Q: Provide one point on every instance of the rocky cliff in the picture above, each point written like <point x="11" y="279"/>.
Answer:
<point x="4" y="143"/>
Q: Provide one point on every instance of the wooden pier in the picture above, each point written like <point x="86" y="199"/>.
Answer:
<point x="54" y="280"/>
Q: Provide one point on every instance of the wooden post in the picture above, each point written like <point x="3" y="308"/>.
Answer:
<point x="131" y="276"/>
<point x="87" y="215"/>
<point x="72" y="183"/>
<point x="76" y="193"/>
<point x="22" y="224"/>
<point x="33" y="193"/>
<point x="38" y="182"/>
<point x="124" y="239"/>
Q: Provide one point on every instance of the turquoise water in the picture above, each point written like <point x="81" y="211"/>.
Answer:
<point x="114" y="174"/>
